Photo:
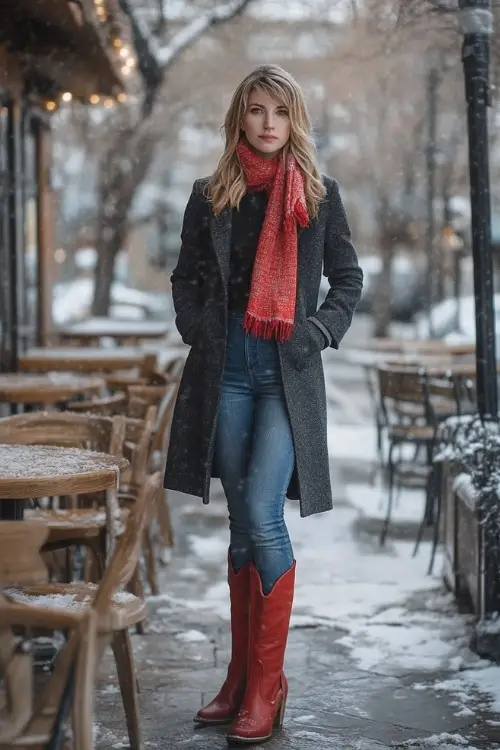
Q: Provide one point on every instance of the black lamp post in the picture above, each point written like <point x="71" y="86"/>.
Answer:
<point x="476" y="21"/>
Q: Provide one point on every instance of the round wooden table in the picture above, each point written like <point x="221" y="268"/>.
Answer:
<point x="49" y="388"/>
<point x="419" y="346"/>
<point x="31" y="471"/>
<point x="87" y="359"/>
<point x="91" y="330"/>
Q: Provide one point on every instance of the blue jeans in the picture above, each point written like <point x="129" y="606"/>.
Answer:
<point x="254" y="453"/>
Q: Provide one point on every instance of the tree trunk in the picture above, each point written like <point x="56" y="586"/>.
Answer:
<point x="123" y="172"/>
<point x="382" y="304"/>
<point x="109" y="241"/>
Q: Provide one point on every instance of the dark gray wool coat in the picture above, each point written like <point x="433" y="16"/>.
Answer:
<point x="199" y="286"/>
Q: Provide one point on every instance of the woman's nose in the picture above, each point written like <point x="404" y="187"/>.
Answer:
<point x="269" y="121"/>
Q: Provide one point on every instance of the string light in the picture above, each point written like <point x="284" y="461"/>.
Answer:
<point x="109" y="103"/>
<point x="50" y="105"/>
<point x="122" y="97"/>
<point x="95" y="99"/>
<point x="67" y="96"/>
<point x="128" y="59"/>
<point x="60" y="255"/>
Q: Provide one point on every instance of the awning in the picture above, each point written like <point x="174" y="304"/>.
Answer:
<point x="61" y="42"/>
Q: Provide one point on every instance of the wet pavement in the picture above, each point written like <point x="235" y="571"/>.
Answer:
<point x="333" y="704"/>
<point x="378" y="655"/>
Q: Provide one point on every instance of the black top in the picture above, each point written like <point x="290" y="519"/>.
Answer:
<point x="246" y="226"/>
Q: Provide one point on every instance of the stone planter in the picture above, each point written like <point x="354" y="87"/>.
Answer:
<point x="462" y="537"/>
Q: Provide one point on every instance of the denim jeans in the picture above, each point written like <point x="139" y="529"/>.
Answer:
<point x="254" y="453"/>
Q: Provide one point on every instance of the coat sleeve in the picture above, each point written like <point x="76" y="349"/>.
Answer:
<point x="188" y="275"/>
<point x="340" y="266"/>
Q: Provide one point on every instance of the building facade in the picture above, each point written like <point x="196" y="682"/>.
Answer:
<point x="52" y="52"/>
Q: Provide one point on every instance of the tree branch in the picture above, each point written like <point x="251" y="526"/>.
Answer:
<point x="193" y="30"/>
<point x="154" y="61"/>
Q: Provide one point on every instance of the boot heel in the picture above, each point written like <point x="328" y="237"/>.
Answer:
<point x="280" y="716"/>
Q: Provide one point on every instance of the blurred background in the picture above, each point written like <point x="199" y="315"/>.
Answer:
<point x="384" y="86"/>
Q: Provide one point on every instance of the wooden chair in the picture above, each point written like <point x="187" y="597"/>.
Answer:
<point x="105" y="406"/>
<point x="444" y="401"/>
<point x="405" y="405"/>
<point x="140" y="399"/>
<point x="171" y="374"/>
<point x="119" y="436"/>
<point x="116" y="612"/>
<point x="30" y="714"/>
<point x="35" y="718"/>
<point x="20" y="559"/>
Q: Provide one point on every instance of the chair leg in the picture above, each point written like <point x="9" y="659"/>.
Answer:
<point x="83" y="701"/>
<point x="164" y="522"/>
<point x="135" y="587"/>
<point x="437" y="519"/>
<point x="423" y="522"/>
<point x="149" y="556"/>
<point x="390" y="466"/>
<point x="430" y="494"/>
<point x="124" y="657"/>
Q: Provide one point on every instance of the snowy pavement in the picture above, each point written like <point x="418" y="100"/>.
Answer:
<point x="378" y="655"/>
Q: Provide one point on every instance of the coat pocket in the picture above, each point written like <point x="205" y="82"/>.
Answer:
<point x="306" y="342"/>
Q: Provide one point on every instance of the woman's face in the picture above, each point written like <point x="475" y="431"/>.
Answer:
<point x="266" y="124"/>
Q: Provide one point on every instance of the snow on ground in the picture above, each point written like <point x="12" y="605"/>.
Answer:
<point x="442" y="741"/>
<point x="393" y="617"/>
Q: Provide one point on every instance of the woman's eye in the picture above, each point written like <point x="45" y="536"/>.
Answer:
<point x="255" y="111"/>
<point x="283" y="113"/>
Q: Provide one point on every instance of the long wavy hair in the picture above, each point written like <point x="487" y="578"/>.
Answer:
<point x="227" y="185"/>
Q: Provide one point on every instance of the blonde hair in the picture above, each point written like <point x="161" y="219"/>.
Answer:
<point x="227" y="185"/>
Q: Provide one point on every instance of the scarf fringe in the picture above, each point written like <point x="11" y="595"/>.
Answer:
<point x="299" y="216"/>
<point x="267" y="329"/>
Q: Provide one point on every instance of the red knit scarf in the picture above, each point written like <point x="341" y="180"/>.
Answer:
<point x="270" y="311"/>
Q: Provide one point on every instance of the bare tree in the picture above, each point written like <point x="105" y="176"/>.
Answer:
<point x="136" y="132"/>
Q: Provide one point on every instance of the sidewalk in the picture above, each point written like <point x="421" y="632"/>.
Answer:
<point x="377" y="655"/>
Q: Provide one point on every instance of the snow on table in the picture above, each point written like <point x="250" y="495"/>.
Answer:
<point x="101" y="326"/>
<point x="83" y="353"/>
<point x="48" y="387"/>
<point x="40" y="470"/>
<point x="85" y="358"/>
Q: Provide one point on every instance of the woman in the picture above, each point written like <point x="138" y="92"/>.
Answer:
<point x="251" y="408"/>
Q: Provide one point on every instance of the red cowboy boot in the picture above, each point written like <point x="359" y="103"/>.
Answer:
<point x="265" y="698"/>
<point x="226" y="704"/>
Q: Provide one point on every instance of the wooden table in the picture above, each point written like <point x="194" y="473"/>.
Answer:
<point x="87" y="359"/>
<point x="419" y="346"/>
<point x="455" y="369"/>
<point x="372" y="359"/>
<point x="49" y="388"/>
<point x="33" y="471"/>
<point x="90" y="331"/>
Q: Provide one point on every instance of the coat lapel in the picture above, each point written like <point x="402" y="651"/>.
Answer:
<point x="221" y="237"/>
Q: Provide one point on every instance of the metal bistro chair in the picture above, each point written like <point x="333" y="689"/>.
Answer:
<point x="406" y="409"/>
<point x="445" y="400"/>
